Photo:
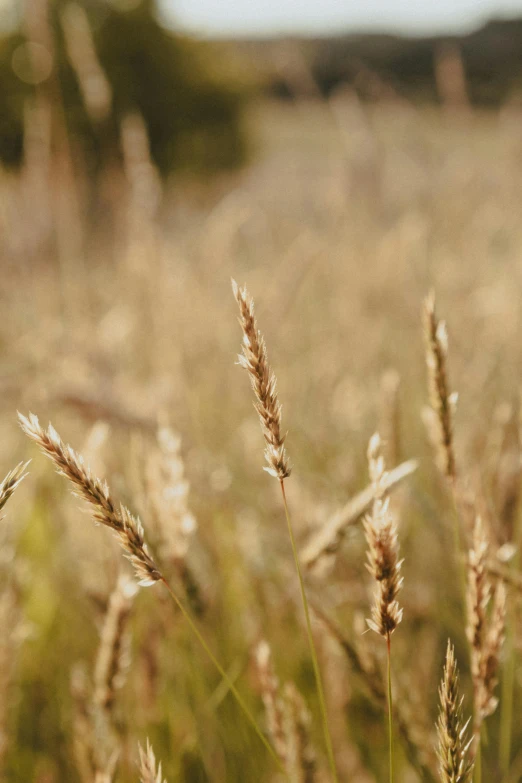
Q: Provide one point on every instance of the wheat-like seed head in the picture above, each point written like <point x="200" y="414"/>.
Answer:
<point x="485" y="629"/>
<point x="150" y="770"/>
<point x="11" y="481"/>
<point x="383" y="549"/>
<point x="301" y="758"/>
<point x="167" y="493"/>
<point x="106" y="775"/>
<point x="271" y="699"/>
<point x="439" y="417"/>
<point x="111" y="660"/>
<point x="490" y="659"/>
<point x="254" y="360"/>
<point x="478" y="595"/>
<point x="454" y="744"/>
<point x="127" y="528"/>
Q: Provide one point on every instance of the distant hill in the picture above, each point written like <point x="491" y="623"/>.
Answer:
<point x="375" y="64"/>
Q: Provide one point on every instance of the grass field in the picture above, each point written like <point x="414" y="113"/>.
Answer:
<point x="119" y="323"/>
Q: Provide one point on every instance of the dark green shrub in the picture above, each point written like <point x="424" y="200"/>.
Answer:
<point x="192" y="111"/>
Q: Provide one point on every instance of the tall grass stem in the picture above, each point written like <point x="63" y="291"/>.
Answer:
<point x="457" y="543"/>
<point x="508" y="679"/>
<point x="390" y="709"/>
<point x="225" y="677"/>
<point x="478" y="764"/>
<point x="318" y="680"/>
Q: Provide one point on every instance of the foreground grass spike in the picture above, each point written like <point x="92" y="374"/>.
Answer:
<point x="150" y="770"/>
<point x="329" y="537"/>
<point x="385" y="567"/>
<point x="254" y="359"/>
<point x="383" y="561"/>
<point x="128" y="530"/>
<point x="11" y="481"/>
<point x="367" y="672"/>
<point x="442" y="403"/>
<point x="454" y="744"/>
<point x="118" y="518"/>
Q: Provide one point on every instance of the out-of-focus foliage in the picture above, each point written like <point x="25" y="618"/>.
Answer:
<point x="375" y="62"/>
<point x="191" y="103"/>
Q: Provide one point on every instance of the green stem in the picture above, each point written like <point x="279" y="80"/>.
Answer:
<point x="225" y="677"/>
<point x="478" y="763"/>
<point x="390" y="709"/>
<point x="318" y="680"/>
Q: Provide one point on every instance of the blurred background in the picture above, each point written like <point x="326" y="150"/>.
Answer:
<point x="342" y="161"/>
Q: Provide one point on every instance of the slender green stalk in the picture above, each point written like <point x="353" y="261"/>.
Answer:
<point x="225" y="677"/>
<point x="478" y="763"/>
<point x="318" y="680"/>
<point x="390" y="709"/>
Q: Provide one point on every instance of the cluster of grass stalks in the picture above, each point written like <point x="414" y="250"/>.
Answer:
<point x="211" y="625"/>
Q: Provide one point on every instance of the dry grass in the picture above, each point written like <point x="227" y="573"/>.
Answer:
<point x="150" y="770"/>
<point x="254" y="360"/>
<point x="125" y="328"/>
<point x="383" y="549"/>
<point x="454" y="745"/>
<point x="117" y="518"/>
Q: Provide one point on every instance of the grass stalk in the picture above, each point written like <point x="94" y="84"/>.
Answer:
<point x="478" y="763"/>
<point x="201" y="639"/>
<point x="390" y="709"/>
<point x="508" y="679"/>
<point x="458" y="547"/>
<point x="313" y="652"/>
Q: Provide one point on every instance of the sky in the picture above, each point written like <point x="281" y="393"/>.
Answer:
<point x="259" y="17"/>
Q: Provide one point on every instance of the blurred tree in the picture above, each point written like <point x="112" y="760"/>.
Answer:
<point x="97" y="61"/>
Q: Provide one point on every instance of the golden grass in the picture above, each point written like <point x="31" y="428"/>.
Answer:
<point x="125" y="328"/>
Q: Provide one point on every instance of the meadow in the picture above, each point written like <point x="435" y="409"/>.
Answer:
<point x="119" y="326"/>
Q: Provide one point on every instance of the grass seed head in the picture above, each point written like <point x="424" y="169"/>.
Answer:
<point x="439" y="417"/>
<point x="383" y="549"/>
<point x="254" y="360"/>
<point x="453" y="746"/>
<point x="118" y="518"/>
